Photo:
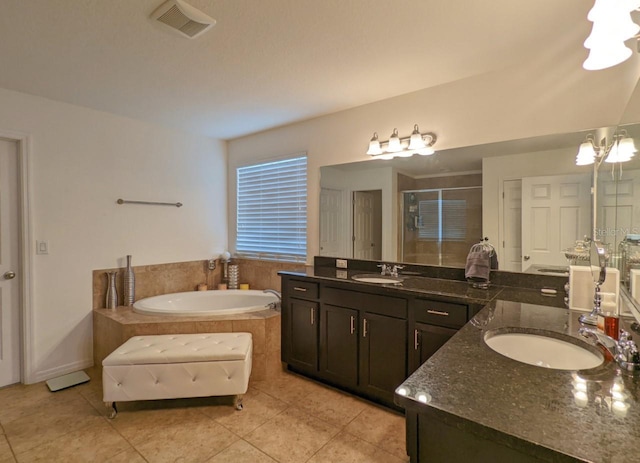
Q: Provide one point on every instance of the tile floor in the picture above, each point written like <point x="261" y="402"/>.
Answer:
<point x="288" y="419"/>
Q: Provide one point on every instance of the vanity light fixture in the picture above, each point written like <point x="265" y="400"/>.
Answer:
<point x="612" y="26"/>
<point x="586" y="152"/>
<point x="623" y="149"/>
<point x="417" y="143"/>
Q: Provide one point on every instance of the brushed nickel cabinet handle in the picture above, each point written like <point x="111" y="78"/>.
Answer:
<point x="298" y="288"/>
<point x="415" y="339"/>
<point x="437" y="312"/>
<point x="364" y="327"/>
<point x="353" y="324"/>
<point x="313" y="315"/>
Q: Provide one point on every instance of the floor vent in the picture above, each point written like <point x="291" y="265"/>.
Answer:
<point x="183" y="18"/>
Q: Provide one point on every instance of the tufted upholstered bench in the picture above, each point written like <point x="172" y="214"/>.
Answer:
<point x="178" y="366"/>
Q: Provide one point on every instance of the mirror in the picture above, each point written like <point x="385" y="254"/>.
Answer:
<point x="527" y="196"/>
<point x="618" y="212"/>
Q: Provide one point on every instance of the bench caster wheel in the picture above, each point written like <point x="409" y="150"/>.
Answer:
<point x="237" y="402"/>
<point x="114" y="410"/>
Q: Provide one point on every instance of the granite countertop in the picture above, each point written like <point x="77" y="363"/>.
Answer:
<point x="536" y="410"/>
<point x="451" y="290"/>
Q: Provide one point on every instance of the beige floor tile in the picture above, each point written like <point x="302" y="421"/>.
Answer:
<point x="174" y="434"/>
<point x="293" y="436"/>
<point x="258" y="409"/>
<point x="346" y="448"/>
<point x="381" y="428"/>
<point x="51" y="421"/>
<point x="6" y="455"/>
<point x="96" y="443"/>
<point x="288" y="387"/>
<point x="128" y="456"/>
<point x="22" y="400"/>
<point x="336" y="408"/>
<point x="241" y="452"/>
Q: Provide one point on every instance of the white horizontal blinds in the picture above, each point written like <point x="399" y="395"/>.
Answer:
<point x="272" y="210"/>
<point x="442" y="220"/>
<point x="454" y="220"/>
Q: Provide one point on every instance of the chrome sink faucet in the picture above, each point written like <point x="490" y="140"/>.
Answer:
<point x="624" y="351"/>
<point x="387" y="269"/>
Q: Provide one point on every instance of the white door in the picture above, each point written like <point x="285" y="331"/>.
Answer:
<point x="556" y="211"/>
<point x="330" y="222"/>
<point x="511" y="258"/>
<point x="364" y="220"/>
<point x="9" y="265"/>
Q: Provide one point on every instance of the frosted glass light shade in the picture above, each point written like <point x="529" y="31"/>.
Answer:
<point x="416" y="142"/>
<point x="586" y="154"/>
<point x="426" y="151"/>
<point x="622" y="151"/>
<point x="394" y="142"/>
<point x="606" y="57"/>
<point x="374" y="145"/>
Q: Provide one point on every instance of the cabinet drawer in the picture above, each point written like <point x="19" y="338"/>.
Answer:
<point x="374" y="303"/>
<point x="302" y="289"/>
<point x="440" y="313"/>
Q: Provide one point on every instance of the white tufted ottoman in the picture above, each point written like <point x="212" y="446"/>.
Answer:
<point x="178" y="366"/>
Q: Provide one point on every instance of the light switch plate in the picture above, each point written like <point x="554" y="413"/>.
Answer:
<point x="42" y="247"/>
<point x="341" y="263"/>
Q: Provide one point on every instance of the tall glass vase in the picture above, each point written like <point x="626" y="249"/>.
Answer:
<point x="129" y="284"/>
<point x="111" y="299"/>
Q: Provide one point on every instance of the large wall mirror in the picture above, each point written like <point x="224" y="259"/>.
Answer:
<point x="527" y="196"/>
<point x="618" y="210"/>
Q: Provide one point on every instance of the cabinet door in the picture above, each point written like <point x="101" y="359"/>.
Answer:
<point x="383" y="354"/>
<point x="339" y="344"/>
<point x="303" y="335"/>
<point x="427" y="339"/>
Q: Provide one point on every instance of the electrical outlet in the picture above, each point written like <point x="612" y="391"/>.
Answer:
<point x="341" y="263"/>
<point x="342" y="274"/>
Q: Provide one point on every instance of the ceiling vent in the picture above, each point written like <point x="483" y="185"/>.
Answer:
<point x="183" y="18"/>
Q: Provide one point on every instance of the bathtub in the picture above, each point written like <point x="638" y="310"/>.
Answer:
<point x="206" y="303"/>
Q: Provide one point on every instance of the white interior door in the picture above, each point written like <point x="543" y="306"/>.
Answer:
<point x="511" y="258"/>
<point x="330" y="222"/>
<point x="556" y="211"/>
<point x="10" y="270"/>
<point x="363" y="222"/>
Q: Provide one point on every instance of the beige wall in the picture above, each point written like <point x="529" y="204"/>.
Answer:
<point x="81" y="161"/>
<point x="493" y="107"/>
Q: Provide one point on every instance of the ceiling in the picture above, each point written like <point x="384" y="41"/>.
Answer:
<point x="266" y="63"/>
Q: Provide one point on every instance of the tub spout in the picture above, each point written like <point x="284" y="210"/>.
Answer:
<point x="274" y="292"/>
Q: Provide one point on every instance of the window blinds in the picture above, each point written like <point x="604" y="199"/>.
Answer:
<point x="272" y="210"/>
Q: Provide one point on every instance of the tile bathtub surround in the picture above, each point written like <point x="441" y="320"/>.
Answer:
<point x="112" y="327"/>
<point x="263" y="274"/>
<point x="152" y="280"/>
<point x="285" y="419"/>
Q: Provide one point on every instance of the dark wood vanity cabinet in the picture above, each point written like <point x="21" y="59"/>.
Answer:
<point x="354" y="338"/>
<point x="432" y="323"/>
<point x="300" y="318"/>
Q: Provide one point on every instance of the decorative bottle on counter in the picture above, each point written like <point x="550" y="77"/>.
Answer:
<point x="234" y="276"/>
<point x="111" y="300"/>
<point x="129" y="284"/>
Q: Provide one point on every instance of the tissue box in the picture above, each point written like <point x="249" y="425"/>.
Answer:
<point x="582" y="287"/>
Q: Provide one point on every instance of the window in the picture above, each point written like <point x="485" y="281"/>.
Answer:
<point x="442" y="220"/>
<point x="272" y="210"/>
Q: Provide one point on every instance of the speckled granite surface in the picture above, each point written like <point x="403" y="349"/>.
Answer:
<point x="452" y="290"/>
<point x="535" y="410"/>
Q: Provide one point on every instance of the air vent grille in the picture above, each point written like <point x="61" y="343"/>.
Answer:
<point x="182" y="18"/>
<point x="176" y="19"/>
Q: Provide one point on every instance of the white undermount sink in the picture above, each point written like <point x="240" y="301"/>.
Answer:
<point x="378" y="279"/>
<point x="544" y="351"/>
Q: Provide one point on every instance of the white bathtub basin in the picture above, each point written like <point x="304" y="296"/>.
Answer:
<point x="544" y="351"/>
